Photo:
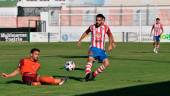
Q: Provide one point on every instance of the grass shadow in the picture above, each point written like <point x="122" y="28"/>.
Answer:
<point x="70" y="77"/>
<point x="76" y="69"/>
<point x="80" y="69"/>
<point x="14" y="82"/>
<point x="154" y="89"/>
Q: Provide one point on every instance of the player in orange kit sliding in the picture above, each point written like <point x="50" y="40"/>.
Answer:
<point x="28" y="68"/>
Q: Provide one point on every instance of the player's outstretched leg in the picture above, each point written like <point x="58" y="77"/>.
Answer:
<point x="51" y="80"/>
<point x="100" y="69"/>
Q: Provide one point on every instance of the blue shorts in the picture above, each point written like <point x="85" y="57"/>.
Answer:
<point x="156" y="38"/>
<point x="97" y="54"/>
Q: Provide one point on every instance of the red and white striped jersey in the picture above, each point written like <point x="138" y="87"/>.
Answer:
<point x="98" y="35"/>
<point x="157" y="29"/>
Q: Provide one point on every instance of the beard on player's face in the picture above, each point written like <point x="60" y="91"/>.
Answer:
<point x="157" y="21"/>
<point x="99" y="21"/>
<point x="35" y="56"/>
<point x="98" y="24"/>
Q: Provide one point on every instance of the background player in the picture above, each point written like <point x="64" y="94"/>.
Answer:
<point x="97" y="50"/>
<point x="158" y="30"/>
<point x="28" y="68"/>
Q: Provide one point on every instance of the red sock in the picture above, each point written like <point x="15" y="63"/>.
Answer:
<point x="99" y="70"/>
<point x="88" y="68"/>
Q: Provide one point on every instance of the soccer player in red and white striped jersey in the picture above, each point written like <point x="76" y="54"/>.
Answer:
<point x="97" y="49"/>
<point x="156" y="31"/>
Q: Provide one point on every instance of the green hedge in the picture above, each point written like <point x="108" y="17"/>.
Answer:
<point x="8" y="3"/>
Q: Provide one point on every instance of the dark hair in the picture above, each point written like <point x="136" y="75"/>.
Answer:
<point x="157" y="18"/>
<point x="100" y="15"/>
<point x="34" y="49"/>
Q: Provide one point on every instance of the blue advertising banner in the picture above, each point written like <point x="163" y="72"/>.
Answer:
<point x="86" y="2"/>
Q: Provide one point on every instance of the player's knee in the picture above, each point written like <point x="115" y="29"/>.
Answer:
<point x="90" y="60"/>
<point x="106" y="63"/>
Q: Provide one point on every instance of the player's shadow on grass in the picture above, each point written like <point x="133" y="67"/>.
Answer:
<point x="70" y="77"/>
<point x="155" y="89"/>
<point x="76" y="69"/>
<point x="80" y="69"/>
<point x="14" y="82"/>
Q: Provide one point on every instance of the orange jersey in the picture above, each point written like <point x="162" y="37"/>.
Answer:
<point x="27" y="65"/>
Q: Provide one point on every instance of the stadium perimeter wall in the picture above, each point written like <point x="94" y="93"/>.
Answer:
<point x="121" y="34"/>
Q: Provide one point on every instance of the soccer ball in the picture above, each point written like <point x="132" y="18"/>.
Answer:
<point x="69" y="65"/>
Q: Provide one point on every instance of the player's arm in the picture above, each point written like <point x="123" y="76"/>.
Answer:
<point x="83" y="36"/>
<point x="162" y="29"/>
<point x="38" y="68"/>
<point x="152" y="30"/>
<point x="111" y="40"/>
<point x="14" y="73"/>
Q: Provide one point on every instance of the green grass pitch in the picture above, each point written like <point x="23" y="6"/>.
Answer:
<point x="134" y="70"/>
<point x="8" y="3"/>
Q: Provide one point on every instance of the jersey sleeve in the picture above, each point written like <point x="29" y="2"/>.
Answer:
<point x="21" y="63"/>
<point x="108" y="31"/>
<point x="39" y="66"/>
<point x="161" y="26"/>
